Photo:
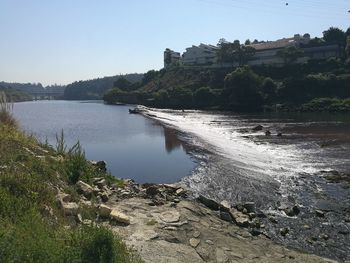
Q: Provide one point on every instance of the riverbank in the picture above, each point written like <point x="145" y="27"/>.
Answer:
<point x="56" y="206"/>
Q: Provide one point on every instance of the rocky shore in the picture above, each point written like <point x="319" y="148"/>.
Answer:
<point x="162" y="224"/>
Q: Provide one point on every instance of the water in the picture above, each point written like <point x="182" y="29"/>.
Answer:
<point x="238" y="165"/>
<point x="133" y="146"/>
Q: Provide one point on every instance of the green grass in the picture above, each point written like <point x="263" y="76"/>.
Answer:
<point x="29" y="177"/>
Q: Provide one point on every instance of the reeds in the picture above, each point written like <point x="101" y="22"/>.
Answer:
<point x="6" y="109"/>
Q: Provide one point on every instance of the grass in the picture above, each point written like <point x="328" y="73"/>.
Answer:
<point x="32" y="226"/>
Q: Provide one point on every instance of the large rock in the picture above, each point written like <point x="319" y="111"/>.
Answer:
<point x="119" y="216"/>
<point x="84" y="188"/>
<point x="63" y="197"/>
<point x="258" y="128"/>
<point x="104" y="211"/>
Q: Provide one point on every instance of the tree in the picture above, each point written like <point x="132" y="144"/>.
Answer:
<point x="347" y="48"/>
<point x="203" y="97"/>
<point x="255" y="41"/>
<point x="122" y="83"/>
<point x="268" y="89"/>
<point x="247" y="42"/>
<point x="242" y="90"/>
<point x="290" y="54"/>
<point x="334" y="35"/>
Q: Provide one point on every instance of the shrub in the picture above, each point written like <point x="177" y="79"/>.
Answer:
<point x="6" y="111"/>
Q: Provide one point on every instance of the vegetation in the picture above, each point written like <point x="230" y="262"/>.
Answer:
<point x="15" y="95"/>
<point x="241" y="88"/>
<point x="33" y="228"/>
<point x="95" y="88"/>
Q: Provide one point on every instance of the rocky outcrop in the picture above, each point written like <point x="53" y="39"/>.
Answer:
<point x="85" y="189"/>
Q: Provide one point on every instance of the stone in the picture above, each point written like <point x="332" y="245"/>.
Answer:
<point x="119" y="216"/>
<point x="319" y="213"/>
<point x="239" y="218"/>
<point x="292" y="211"/>
<point x="279" y="134"/>
<point x="267" y="133"/>
<point x="194" y="242"/>
<point x="84" y="188"/>
<point x="70" y="208"/>
<point x="225" y="205"/>
<point x="152" y="190"/>
<point x="225" y="216"/>
<point x="196" y="234"/>
<point x="258" y="128"/>
<point x="221" y="256"/>
<point x="104" y="210"/>
<point x="101" y="183"/>
<point x="180" y="191"/>
<point x="284" y="231"/>
<point x="209" y="203"/>
<point x="250" y="206"/>
<point x="63" y="197"/>
<point x="170" y="216"/>
<point x="209" y="242"/>
<point x="104" y="197"/>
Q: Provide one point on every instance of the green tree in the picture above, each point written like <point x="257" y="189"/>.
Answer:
<point x="203" y="97"/>
<point x="122" y="84"/>
<point x="268" y="90"/>
<point x="247" y="42"/>
<point x="242" y="90"/>
<point x="290" y="54"/>
<point x="334" y="35"/>
<point x="347" y="48"/>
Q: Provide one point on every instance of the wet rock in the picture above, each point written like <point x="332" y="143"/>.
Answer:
<point x="119" y="216"/>
<point x="267" y="133"/>
<point x="258" y="128"/>
<point x="170" y="216"/>
<point x="284" y="231"/>
<point x="209" y="203"/>
<point x="104" y="211"/>
<point x="85" y="189"/>
<point x="320" y="213"/>
<point x="194" y="242"/>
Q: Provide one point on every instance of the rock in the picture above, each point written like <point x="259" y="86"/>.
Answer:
<point x="319" y="213"/>
<point x="226" y="205"/>
<point x="85" y="189"/>
<point x="70" y="208"/>
<point x="170" y="216"/>
<point x="152" y="190"/>
<point x="267" y="133"/>
<point x="180" y="191"/>
<point x="104" y="211"/>
<point x="209" y="242"/>
<point x="279" y="134"/>
<point x="104" y="197"/>
<point x="273" y="220"/>
<point x="119" y="216"/>
<point x="250" y="206"/>
<point x="221" y="257"/>
<point x="63" y="197"/>
<point x="194" y="242"/>
<point x="293" y="211"/>
<point x="101" y="165"/>
<point x="209" y="203"/>
<point x="239" y="218"/>
<point x="79" y="219"/>
<point x="324" y="236"/>
<point x="284" y="231"/>
<point x="196" y="234"/>
<point x="258" y="128"/>
<point x="101" y="183"/>
<point x="225" y="216"/>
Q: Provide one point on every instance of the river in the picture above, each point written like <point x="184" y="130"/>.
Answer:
<point x="133" y="146"/>
<point x="217" y="154"/>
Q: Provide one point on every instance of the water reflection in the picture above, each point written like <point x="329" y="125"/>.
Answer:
<point x="172" y="142"/>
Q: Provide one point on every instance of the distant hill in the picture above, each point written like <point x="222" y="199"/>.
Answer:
<point x="14" y="95"/>
<point x="25" y="87"/>
<point x="95" y="88"/>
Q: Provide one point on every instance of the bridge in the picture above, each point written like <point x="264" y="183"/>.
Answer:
<point x="47" y="94"/>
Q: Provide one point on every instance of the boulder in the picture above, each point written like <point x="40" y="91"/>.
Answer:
<point x="267" y="133"/>
<point x="84" y="188"/>
<point x="100" y="165"/>
<point x="119" y="217"/>
<point x="104" y="211"/>
<point x="104" y="197"/>
<point x="194" y="242"/>
<point x="258" y="128"/>
<point x="101" y="183"/>
<point x="180" y="191"/>
<point x="152" y="190"/>
<point x="63" y="197"/>
<point x="225" y="216"/>
<point x="250" y="206"/>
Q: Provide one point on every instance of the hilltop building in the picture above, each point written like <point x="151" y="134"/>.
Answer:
<point x="266" y="53"/>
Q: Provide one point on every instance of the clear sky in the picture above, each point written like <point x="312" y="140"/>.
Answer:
<point x="60" y="41"/>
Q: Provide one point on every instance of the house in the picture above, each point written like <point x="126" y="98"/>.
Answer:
<point x="171" y="57"/>
<point x="200" y="55"/>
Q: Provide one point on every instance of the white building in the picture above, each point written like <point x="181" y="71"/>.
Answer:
<point x="171" y="57"/>
<point x="200" y="55"/>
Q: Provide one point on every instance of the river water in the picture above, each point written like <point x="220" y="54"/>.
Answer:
<point x="133" y="146"/>
<point x="218" y="155"/>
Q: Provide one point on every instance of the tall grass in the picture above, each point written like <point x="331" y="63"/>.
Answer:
<point x="6" y="109"/>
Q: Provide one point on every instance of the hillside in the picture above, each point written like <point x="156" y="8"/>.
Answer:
<point x="95" y="88"/>
<point x="15" y="95"/>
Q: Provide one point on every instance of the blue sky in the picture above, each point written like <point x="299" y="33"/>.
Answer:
<point x="60" y="41"/>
